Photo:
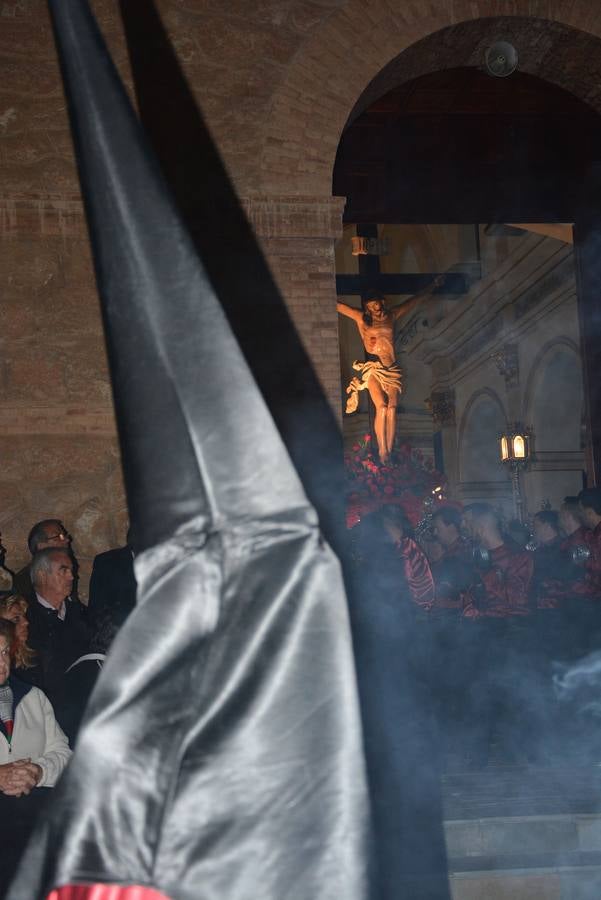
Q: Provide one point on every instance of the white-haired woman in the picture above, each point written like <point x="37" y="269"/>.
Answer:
<point x="33" y="753"/>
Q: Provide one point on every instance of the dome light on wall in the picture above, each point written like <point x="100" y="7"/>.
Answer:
<point x="501" y="59"/>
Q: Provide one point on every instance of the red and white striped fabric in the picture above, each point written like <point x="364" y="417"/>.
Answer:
<point x="105" y="892"/>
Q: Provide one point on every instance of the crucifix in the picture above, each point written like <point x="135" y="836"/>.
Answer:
<point x="380" y="373"/>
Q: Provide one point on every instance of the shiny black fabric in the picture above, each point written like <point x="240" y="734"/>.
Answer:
<point x="221" y="756"/>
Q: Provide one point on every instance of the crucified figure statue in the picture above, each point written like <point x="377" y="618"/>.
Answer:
<point x="382" y="378"/>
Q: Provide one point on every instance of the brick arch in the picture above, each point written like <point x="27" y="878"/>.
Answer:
<point x="334" y="69"/>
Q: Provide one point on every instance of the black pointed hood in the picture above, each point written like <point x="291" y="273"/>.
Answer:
<point x="197" y="440"/>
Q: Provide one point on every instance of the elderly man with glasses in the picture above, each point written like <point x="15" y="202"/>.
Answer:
<point x="58" y="631"/>
<point x="47" y="533"/>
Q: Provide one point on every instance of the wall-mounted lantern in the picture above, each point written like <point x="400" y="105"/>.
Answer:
<point x="515" y="445"/>
<point x="515" y="450"/>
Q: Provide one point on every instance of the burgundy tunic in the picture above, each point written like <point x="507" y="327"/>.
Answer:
<point x="417" y="572"/>
<point x="506" y="585"/>
<point x="453" y="574"/>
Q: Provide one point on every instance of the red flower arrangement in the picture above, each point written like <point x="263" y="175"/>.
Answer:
<point x="408" y="481"/>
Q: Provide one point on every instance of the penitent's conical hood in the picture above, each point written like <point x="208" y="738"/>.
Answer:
<point x="197" y="440"/>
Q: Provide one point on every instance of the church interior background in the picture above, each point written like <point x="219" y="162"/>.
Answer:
<point x="505" y="350"/>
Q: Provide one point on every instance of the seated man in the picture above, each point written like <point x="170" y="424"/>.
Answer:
<point x="57" y="629"/>
<point x="47" y="533"/>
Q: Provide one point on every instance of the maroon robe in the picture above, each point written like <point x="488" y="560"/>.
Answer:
<point x="417" y="572"/>
<point x="506" y="585"/>
<point x="453" y="574"/>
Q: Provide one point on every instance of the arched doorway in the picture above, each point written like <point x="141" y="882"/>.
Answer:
<point x="441" y="169"/>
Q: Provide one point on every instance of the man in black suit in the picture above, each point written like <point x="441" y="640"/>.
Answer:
<point x="58" y="631"/>
<point x="47" y="533"/>
<point x="112" y="584"/>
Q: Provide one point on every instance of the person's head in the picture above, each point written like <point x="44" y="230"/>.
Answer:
<point x="48" y="533"/>
<point x="570" y="516"/>
<point x="545" y="526"/>
<point x="14" y="609"/>
<point x="590" y="506"/>
<point x="518" y="532"/>
<point x="484" y="525"/>
<point x="373" y="304"/>
<point x="446" y="525"/>
<point x="396" y="524"/>
<point x="7" y="641"/>
<point x="52" y="575"/>
<point x="467" y="517"/>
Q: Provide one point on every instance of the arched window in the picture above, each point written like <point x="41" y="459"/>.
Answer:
<point x="479" y="451"/>
<point x="557" y="400"/>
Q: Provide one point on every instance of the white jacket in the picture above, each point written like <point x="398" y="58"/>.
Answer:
<point x="37" y="735"/>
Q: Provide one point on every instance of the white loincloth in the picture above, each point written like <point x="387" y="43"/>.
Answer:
<point x="388" y="377"/>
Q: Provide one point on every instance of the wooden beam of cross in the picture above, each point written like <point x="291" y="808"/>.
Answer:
<point x="403" y="284"/>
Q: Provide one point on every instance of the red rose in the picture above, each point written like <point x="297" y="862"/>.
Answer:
<point x="367" y="437"/>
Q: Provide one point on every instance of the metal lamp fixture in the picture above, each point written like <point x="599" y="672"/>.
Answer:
<point x="515" y="449"/>
<point x="514" y="445"/>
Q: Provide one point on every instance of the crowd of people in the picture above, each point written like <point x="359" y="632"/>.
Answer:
<point x="496" y="608"/>
<point x="51" y="650"/>
<point x="501" y="610"/>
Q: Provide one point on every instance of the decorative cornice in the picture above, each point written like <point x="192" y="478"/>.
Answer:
<point x="295" y="217"/>
<point x="270" y="217"/>
<point x="508" y="364"/>
<point x="442" y="404"/>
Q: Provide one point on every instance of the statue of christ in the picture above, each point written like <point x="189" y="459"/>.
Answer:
<point x="383" y="377"/>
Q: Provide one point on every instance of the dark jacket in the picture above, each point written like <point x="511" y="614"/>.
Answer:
<point x="57" y="644"/>
<point x="112" y="583"/>
<point x="22" y="584"/>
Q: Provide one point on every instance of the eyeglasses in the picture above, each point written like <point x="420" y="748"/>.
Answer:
<point x="59" y="536"/>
